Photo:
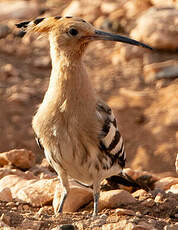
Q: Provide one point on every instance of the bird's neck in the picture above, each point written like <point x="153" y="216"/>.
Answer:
<point x="69" y="88"/>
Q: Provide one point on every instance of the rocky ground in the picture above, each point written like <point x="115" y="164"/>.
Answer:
<point x="140" y="85"/>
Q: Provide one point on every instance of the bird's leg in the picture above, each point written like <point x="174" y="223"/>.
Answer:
<point x="96" y="194"/>
<point x="65" y="184"/>
<point x="62" y="200"/>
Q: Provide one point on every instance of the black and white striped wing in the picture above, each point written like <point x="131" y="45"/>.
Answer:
<point x="110" y="140"/>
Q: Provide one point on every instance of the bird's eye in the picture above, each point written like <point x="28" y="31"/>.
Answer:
<point x="73" y="32"/>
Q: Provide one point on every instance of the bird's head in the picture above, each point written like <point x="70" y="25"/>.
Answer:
<point x="72" y="34"/>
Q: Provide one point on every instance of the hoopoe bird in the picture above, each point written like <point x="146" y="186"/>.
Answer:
<point x="77" y="130"/>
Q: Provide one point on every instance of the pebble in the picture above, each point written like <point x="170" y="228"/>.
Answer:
<point x="148" y="203"/>
<point x="66" y="227"/>
<point x="159" y="198"/>
<point x="138" y="214"/>
<point x="171" y="227"/>
<point x="121" y="211"/>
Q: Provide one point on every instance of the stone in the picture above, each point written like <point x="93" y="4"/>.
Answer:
<point x="5" y="195"/>
<point x="109" y="7"/>
<point x="164" y="118"/>
<point x="141" y="193"/>
<point x="29" y="224"/>
<point x="127" y="97"/>
<point x="173" y="189"/>
<point x="21" y="158"/>
<point x="84" y="10"/>
<point x="135" y="174"/>
<point x="159" y="198"/>
<point x="135" y="7"/>
<point x="148" y="202"/>
<point x="64" y="227"/>
<point x="171" y="227"/>
<point x="42" y="62"/>
<point x="160" y="70"/>
<point x="97" y="222"/>
<point x="38" y="192"/>
<point x="121" y="225"/>
<point x="9" y="71"/>
<point x="83" y="195"/>
<point x="122" y="211"/>
<point x="163" y="3"/>
<point x="176" y="164"/>
<point x="73" y="9"/>
<point x="14" y="183"/>
<point x="18" y="9"/>
<point x="142" y="225"/>
<point x="151" y="28"/>
<point x="115" y="198"/>
<point x="123" y="53"/>
<point x="26" y="175"/>
<point x="166" y="183"/>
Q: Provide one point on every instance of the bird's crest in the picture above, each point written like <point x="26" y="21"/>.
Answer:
<point x="39" y="25"/>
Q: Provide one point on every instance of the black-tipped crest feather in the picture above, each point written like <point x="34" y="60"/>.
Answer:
<point x="22" y="24"/>
<point x="38" y="20"/>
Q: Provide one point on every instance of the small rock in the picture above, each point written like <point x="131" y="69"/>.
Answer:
<point x="159" y="198"/>
<point x="14" y="183"/>
<point x="157" y="191"/>
<point x="166" y="183"/>
<point x="73" y="9"/>
<point x="5" y="195"/>
<point x="148" y="202"/>
<point x="142" y="225"/>
<point x="163" y="3"/>
<point x="26" y="175"/>
<point x="121" y="225"/>
<point x="122" y="211"/>
<point x="18" y="9"/>
<point x="42" y="62"/>
<point x="29" y="224"/>
<point x="11" y="204"/>
<point x="97" y="222"/>
<point x="135" y="174"/>
<point x="64" y="227"/>
<point x="173" y="189"/>
<point x="141" y="193"/>
<point x="38" y="192"/>
<point x="161" y="70"/>
<point x="21" y="158"/>
<point x="72" y="204"/>
<point x="136" y="7"/>
<point x="138" y="214"/>
<point x="123" y="53"/>
<point x="135" y="219"/>
<point x="109" y="7"/>
<point x="151" y="28"/>
<point x="114" y="198"/>
<point x="82" y="9"/>
<point x="176" y="164"/>
<point x="33" y="191"/>
<point x="171" y="227"/>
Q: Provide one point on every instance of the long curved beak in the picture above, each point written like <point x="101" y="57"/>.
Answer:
<point x="101" y="35"/>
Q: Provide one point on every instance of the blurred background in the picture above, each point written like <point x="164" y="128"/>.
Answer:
<point x="140" y="85"/>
